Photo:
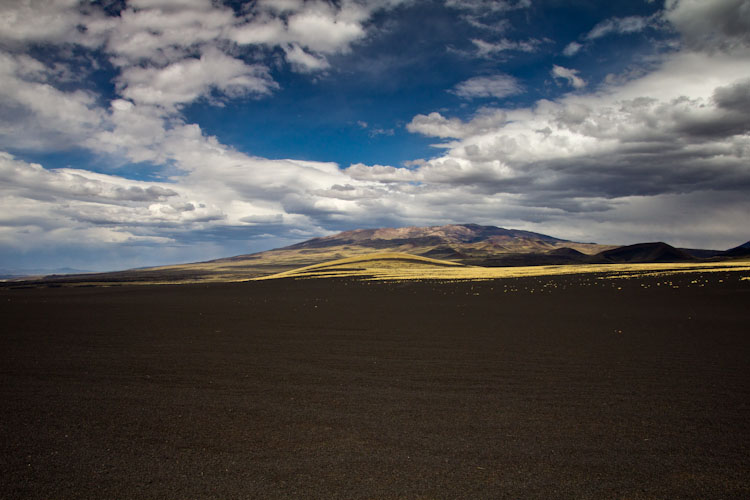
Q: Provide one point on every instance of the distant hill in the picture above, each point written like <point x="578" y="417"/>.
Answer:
<point x="702" y="254"/>
<point x="740" y="251"/>
<point x="21" y="273"/>
<point x="644" y="252"/>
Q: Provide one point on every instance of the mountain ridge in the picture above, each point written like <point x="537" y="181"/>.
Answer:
<point x="451" y="242"/>
<point x="739" y="251"/>
<point x="645" y="252"/>
<point x="455" y="233"/>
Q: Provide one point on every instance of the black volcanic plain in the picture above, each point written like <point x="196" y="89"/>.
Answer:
<point x="564" y="387"/>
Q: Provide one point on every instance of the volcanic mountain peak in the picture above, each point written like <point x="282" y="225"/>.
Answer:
<point x="448" y="234"/>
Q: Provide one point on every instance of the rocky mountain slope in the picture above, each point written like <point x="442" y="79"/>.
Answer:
<point x="465" y="243"/>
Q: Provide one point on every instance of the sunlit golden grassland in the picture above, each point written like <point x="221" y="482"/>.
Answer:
<point x="384" y="266"/>
<point x="400" y="266"/>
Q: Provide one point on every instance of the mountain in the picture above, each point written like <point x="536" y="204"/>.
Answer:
<point x="740" y="251"/>
<point x="24" y="272"/>
<point x="467" y="244"/>
<point x="416" y="237"/>
<point x="464" y="240"/>
<point x="464" y="243"/>
<point x="470" y="244"/>
<point x="644" y="252"/>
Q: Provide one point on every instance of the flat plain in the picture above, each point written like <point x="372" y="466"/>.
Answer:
<point x="569" y="386"/>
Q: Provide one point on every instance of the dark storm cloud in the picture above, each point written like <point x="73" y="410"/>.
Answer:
<point x="711" y="24"/>
<point x="734" y="97"/>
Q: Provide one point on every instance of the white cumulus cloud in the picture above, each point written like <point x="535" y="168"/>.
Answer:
<point x="497" y="86"/>
<point x="570" y="75"/>
<point x="186" y="80"/>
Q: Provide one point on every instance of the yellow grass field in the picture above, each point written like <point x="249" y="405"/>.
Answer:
<point x="401" y="266"/>
<point x="384" y="266"/>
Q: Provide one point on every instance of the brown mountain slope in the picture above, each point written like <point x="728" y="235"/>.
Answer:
<point x="464" y="243"/>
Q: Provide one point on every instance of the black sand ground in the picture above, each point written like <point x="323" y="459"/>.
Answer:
<point x="329" y="389"/>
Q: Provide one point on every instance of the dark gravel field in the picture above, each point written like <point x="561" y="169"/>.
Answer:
<point x="566" y="387"/>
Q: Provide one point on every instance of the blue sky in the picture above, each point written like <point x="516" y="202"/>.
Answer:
<point x="357" y="111"/>
<point x="144" y="132"/>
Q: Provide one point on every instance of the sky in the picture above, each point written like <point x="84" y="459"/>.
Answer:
<point x="146" y="132"/>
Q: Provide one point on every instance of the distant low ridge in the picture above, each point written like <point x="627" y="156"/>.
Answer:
<point x="464" y="244"/>
<point x="645" y="252"/>
<point x="740" y="251"/>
